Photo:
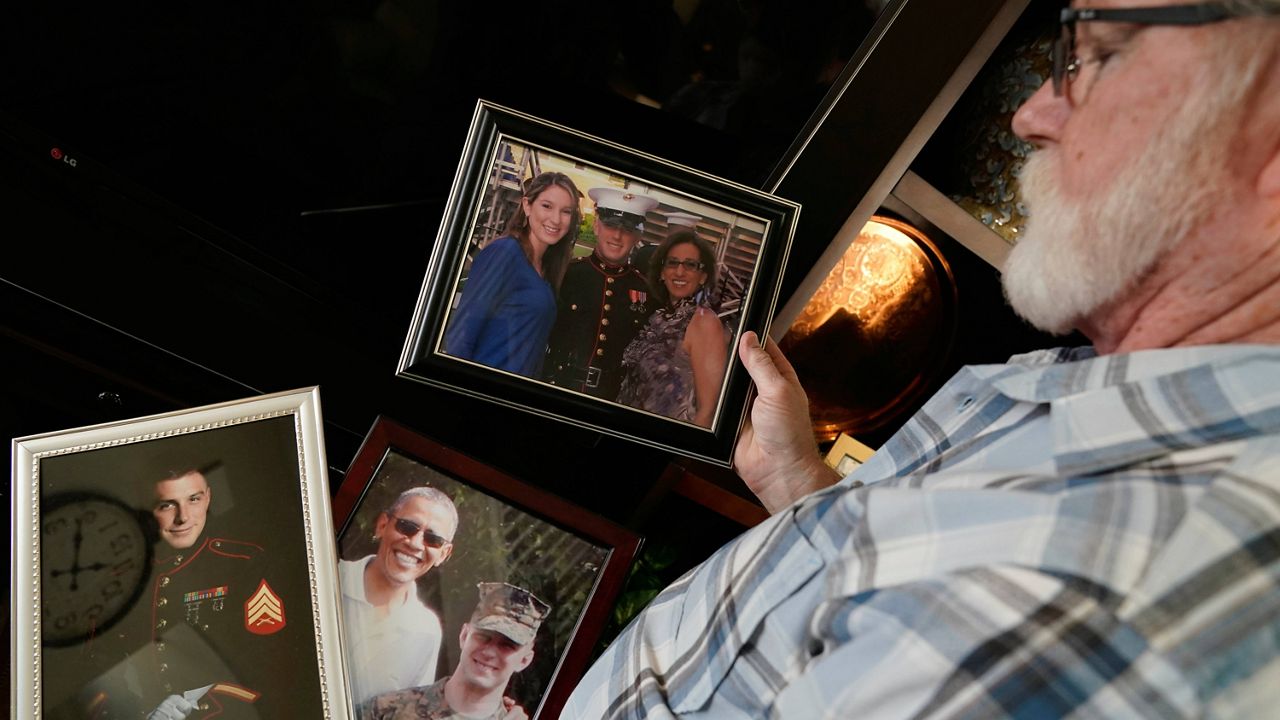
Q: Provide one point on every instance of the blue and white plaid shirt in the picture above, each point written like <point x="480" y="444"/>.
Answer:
<point x="1065" y="534"/>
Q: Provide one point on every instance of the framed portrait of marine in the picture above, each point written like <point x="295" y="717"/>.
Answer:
<point x="464" y="588"/>
<point x="581" y="280"/>
<point x="178" y="565"/>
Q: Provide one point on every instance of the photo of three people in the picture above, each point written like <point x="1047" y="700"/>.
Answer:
<point x="602" y="285"/>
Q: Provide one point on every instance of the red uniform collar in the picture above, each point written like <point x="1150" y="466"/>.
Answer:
<point x="607" y="268"/>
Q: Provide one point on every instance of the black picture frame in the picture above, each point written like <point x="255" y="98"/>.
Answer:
<point x="750" y="230"/>
<point x="508" y="531"/>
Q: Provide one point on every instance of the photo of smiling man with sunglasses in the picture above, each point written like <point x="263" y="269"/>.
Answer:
<point x="392" y="638"/>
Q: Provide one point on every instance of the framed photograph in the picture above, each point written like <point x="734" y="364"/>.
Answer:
<point x="846" y="454"/>
<point x="585" y="281"/>
<point x="464" y="586"/>
<point x="182" y="561"/>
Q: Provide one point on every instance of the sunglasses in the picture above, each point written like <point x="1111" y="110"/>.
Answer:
<point x="409" y="529"/>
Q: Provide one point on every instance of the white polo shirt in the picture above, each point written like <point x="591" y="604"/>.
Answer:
<point x="385" y="654"/>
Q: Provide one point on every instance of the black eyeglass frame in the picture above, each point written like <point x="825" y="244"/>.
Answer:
<point x="1065" y="61"/>
<point x="674" y="263"/>
<point x="409" y="529"/>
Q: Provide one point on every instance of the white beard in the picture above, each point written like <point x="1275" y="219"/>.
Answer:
<point x="1081" y="254"/>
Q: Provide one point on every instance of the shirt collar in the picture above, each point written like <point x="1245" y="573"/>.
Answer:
<point x="1112" y="410"/>
<point x="606" y="268"/>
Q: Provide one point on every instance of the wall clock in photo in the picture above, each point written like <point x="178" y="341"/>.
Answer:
<point x="95" y="558"/>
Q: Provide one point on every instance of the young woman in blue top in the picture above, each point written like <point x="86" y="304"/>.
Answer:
<point x="508" y="304"/>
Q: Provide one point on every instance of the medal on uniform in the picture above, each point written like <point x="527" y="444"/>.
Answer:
<point x="638" y="299"/>
<point x="191" y="601"/>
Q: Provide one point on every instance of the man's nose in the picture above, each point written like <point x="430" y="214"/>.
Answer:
<point x="179" y="515"/>
<point x="1039" y="121"/>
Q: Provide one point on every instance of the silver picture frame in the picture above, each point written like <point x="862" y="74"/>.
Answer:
<point x="187" y="554"/>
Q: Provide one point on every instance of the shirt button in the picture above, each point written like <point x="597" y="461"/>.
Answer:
<point x="609" y="280"/>
<point x="605" y="321"/>
<point x="159" y="647"/>
<point x="161" y="625"/>
<point x="177" y="560"/>
<point x="606" y="307"/>
<point x="217" y="543"/>
<point x="164" y="582"/>
<point x="574" y="306"/>
<point x="600" y="351"/>
<point x="608" y="293"/>
<point x="602" y="337"/>
<point x="162" y="602"/>
<point x="164" y="667"/>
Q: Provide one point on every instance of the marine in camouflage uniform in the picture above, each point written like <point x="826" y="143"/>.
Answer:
<point x="501" y="634"/>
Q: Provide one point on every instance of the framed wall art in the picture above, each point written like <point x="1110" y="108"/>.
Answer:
<point x="459" y="581"/>
<point x="581" y="280"/>
<point x="182" y="561"/>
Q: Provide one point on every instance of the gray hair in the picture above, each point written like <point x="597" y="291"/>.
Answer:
<point x="431" y="495"/>
<point x="1253" y="7"/>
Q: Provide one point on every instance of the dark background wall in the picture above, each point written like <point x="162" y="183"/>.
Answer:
<point x="256" y="189"/>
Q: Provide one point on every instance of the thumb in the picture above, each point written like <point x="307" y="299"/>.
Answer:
<point x="767" y="366"/>
<point x="756" y="360"/>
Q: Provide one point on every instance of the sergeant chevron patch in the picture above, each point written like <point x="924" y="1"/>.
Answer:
<point x="264" y="611"/>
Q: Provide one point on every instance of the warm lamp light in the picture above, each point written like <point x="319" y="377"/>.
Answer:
<point x="876" y="331"/>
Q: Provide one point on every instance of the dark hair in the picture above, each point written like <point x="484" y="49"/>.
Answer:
<point x="557" y="257"/>
<point x="680" y="237"/>
<point x="168" y="464"/>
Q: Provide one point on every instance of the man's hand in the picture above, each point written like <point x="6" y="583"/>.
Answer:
<point x="173" y="707"/>
<point x="512" y="711"/>
<point x="776" y="454"/>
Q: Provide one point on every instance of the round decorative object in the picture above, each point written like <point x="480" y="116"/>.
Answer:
<point x="95" y="558"/>
<point x="877" y="331"/>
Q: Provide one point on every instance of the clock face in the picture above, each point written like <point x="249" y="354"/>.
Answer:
<point x="94" y="562"/>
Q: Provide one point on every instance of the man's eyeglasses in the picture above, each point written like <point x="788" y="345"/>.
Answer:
<point x="1066" y="64"/>
<point x="690" y="265"/>
<point x="409" y="529"/>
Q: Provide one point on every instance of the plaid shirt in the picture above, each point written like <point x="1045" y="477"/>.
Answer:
<point x="1065" y="534"/>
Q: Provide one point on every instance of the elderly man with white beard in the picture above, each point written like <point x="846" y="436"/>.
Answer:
<point x="1090" y="531"/>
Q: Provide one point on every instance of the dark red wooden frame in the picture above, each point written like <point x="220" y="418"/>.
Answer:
<point x="622" y="544"/>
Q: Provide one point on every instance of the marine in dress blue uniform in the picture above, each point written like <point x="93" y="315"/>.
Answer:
<point x="603" y="301"/>
<point x="219" y="625"/>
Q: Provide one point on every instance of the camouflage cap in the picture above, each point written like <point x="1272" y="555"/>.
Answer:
<point x="509" y="610"/>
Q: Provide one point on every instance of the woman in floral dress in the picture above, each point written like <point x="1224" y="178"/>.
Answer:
<point x="676" y="365"/>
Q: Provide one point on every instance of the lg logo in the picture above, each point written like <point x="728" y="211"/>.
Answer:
<point x="57" y="154"/>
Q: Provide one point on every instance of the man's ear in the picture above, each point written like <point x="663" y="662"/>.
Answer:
<point x="463" y="633"/>
<point x="527" y="657"/>
<point x="380" y="526"/>
<point x="445" y="554"/>
<point x="1269" y="180"/>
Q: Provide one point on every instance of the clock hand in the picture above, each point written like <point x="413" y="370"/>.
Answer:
<point x="75" y="569"/>
<point x="78" y="540"/>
